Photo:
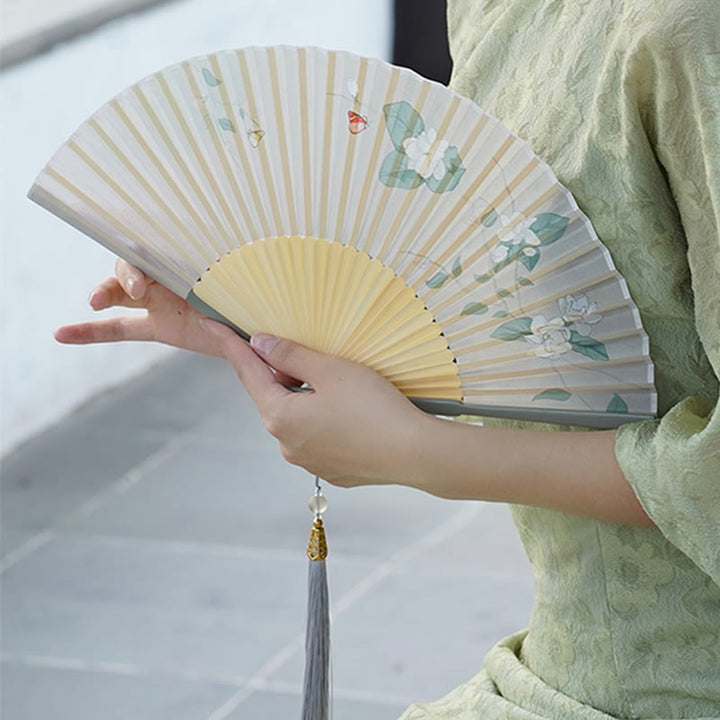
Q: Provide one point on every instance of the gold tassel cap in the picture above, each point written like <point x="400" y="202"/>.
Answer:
<point x="317" y="545"/>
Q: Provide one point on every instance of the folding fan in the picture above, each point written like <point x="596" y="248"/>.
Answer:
<point x="363" y="211"/>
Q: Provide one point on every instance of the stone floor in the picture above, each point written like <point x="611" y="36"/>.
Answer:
<point x="154" y="568"/>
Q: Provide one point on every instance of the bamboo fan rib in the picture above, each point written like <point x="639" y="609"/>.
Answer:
<point x="361" y="210"/>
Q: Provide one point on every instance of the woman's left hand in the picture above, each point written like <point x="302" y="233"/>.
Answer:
<point x="352" y="428"/>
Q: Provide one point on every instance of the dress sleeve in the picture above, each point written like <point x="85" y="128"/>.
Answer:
<point x="673" y="464"/>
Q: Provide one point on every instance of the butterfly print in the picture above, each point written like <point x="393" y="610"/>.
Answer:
<point x="356" y="123"/>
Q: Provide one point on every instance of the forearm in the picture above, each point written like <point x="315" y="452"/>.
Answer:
<point x="574" y="472"/>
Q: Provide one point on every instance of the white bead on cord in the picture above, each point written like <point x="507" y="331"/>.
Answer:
<point x="317" y="502"/>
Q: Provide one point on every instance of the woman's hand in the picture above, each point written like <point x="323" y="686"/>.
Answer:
<point x="169" y="319"/>
<point x="352" y="428"/>
<point x="355" y="428"/>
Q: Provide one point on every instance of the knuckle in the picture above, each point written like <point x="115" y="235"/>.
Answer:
<point x="275" y="423"/>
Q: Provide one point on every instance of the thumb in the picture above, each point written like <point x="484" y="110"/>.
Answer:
<point x="256" y="376"/>
<point x="291" y="358"/>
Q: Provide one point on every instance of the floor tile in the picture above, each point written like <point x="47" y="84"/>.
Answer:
<point x="418" y="636"/>
<point x="161" y="608"/>
<point x="266" y="705"/>
<point x="38" y="693"/>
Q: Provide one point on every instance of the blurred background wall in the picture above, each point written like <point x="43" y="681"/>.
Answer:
<point x="64" y="58"/>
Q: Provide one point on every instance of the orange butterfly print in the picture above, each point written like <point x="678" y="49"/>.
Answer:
<point x="356" y="123"/>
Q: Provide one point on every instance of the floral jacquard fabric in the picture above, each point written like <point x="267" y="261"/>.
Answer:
<point x="622" y="99"/>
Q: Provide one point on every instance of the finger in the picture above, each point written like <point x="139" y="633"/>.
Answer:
<point x="110" y="293"/>
<point x="290" y="358"/>
<point x="104" y="331"/>
<point x="259" y="380"/>
<point x="131" y="278"/>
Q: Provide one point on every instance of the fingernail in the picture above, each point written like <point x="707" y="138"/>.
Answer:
<point x="132" y="284"/>
<point x="263" y="344"/>
<point x="91" y="296"/>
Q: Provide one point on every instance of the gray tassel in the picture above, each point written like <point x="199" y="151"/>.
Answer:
<point x="316" y="694"/>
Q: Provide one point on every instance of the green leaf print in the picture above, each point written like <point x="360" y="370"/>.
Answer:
<point x="549" y="227"/>
<point x="210" y="79"/>
<point x="489" y="218"/>
<point x="474" y="308"/>
<point x="554" y="394"/>
<point x="529" y="261"/>
<point x="402" y="122"/>
<point x="513" y="329"/>
<point x="394" y="172"/>
<point x="501" y="313"/>
<point x="226" y="124"/>
<point x="457" y="267"/>
<point x="525" y="281"/>
<point x="485" y="277"/>
<point x="587" y="346"/>
<point x="437" y="280"/>
<point x="503" y="293"/>
<point x="617" y="405"/>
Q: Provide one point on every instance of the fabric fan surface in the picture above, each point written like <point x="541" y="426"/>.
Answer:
<point x="363" y="211"/>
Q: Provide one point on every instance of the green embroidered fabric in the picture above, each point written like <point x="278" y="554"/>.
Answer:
<point x="622" y="99"/>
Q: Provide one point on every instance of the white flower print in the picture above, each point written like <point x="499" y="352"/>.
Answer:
<point x="580" y="312"/>
<point x="425" y="154"/>
<point x="549" y="338"/>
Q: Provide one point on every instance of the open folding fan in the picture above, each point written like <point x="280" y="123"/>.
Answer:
<point x="360" y="210"/>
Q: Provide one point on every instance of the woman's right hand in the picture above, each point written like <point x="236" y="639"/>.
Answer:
<point x="169" y="319"/>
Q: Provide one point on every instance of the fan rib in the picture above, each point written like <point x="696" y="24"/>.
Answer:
<point x="410" y="198"/>
<point x="450" y="216"/>
<point x="161" y="168"/>
<point x="225" y="225"/>
<point x="189" y="176"/>
<point x="223" y="156"/>
<point x="387" y="192"/>
<point x="327" y="135"/>
<point x="430" y="206"/>
<point x="458" y="335"/>
<point x="577" y="389"/>
<point x="350" y="155"/>
<point x="482" y="250"/>
<point x="261" y="149"/>
<point x="275" y="86"/>
<point x="242" y="154"/>
<point x="360" y="215"/>
<point x="121" y="192"/>
<point x="113" y="221"/>
<point x="471" y="375"/>
<point x="305" y="131"/>
<point x="150" y="190"/>
<point x="478" y="347"/>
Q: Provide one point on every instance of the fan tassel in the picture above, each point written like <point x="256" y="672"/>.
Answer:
<point x="316" y="694"/>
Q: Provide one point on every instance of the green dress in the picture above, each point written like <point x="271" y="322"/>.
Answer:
<point x="622" y="99"/>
